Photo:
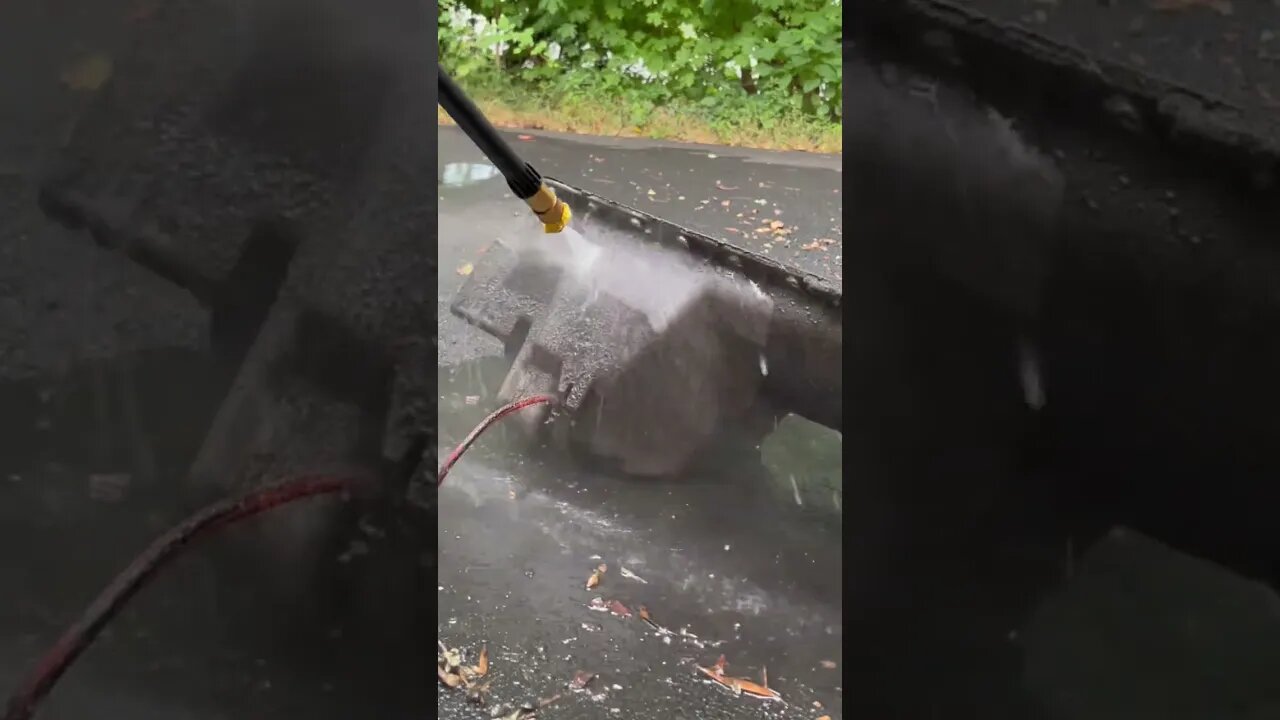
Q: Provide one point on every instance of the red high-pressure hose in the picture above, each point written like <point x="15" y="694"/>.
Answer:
<point x="495" y="416"/>
<point x="77" y="638"/>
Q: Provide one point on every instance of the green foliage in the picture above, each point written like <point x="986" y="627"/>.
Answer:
<point x="740" y="60"/>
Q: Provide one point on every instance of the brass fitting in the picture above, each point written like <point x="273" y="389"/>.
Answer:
<point x="551" y="210"/>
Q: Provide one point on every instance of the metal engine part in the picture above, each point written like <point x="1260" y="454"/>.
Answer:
<point x="658" y="339"/>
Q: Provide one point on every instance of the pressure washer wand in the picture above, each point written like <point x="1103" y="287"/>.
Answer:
<point x="523" y="180"/>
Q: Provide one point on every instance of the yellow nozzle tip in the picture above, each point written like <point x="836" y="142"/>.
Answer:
<point x="561" y="222"/>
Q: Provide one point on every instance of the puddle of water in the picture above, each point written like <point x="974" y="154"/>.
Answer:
<point x="465" y="174"/>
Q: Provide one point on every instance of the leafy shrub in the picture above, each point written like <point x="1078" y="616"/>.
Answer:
<point x="740" y="60"/>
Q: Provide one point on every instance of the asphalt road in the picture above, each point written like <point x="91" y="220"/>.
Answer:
<point x="726" y="193"/>
<point x="519" y="534"/>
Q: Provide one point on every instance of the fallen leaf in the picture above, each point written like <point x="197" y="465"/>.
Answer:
<point x="776" y="224"/>
<point x="764" y="229"/>
<point x="89" y="73"/>
<point x="476" y="693"/>
<point x="631" y="576"/>
<point x="581" y="679"/>
<point x="466" y="269"/>
<point x="828" y="664"/>
<point x="526" y="138"/>
<point x="724" y="203"/>
<point x="451" y="680"/>
<point x="825" y="717"/>
<point x="733" y="230"/>
<point x="617" y="608"/>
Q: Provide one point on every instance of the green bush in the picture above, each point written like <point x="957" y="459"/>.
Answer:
<point x="738" y="60"/>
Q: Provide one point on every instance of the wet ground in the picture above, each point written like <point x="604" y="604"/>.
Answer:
<point x="726" y="193"/>
<point x="520" y="531"/>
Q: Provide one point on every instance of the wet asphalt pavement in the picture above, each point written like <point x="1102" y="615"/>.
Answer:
<point x="520" y="531"/>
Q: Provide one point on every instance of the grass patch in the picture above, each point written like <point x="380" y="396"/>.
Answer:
<point x="746" y="123"/>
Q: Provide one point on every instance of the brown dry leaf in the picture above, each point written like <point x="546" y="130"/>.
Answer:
<point x="825" y="717"/>
<point x="89" y="73"/>
<point x="476" y="693"/>
<point x="466" y="269"/>
<point x="617" y="608"/>
<point x="482" y="665"/>
<point x="1222" y="7"/>
<point x="828" y="664"/>
<point x="581" y="679"/>
<point x="449" y="679"/>
<point x="594" y="580"/>
<point x="733" y="230"/>
<point x="724" y="203"/>
<point x="815" y="245"/>
<point x="764" y="229"/>
<point x="776" y="224"/>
